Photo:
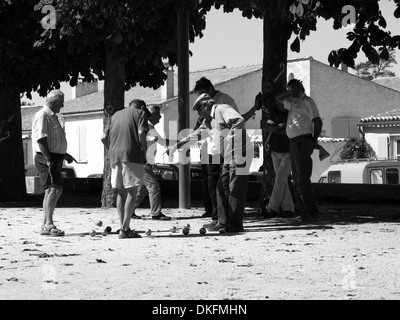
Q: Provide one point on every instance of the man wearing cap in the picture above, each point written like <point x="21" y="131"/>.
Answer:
<point x="234" y="145"/>
<point x="212" y="167"/>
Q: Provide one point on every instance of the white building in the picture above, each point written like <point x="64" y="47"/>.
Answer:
<point x="342" y="99"/>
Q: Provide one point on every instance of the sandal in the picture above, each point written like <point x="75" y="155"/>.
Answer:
<point x="51" y="230"/>
<point x="128" y="234"/>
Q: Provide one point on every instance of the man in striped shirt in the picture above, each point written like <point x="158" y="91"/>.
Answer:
<point x="50" y="145"/>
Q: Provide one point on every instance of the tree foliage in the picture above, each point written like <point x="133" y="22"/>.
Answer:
<point x="143" y="32"/>
<point x="356" y="148"/>
<point x="120" y="41"/>
<point x="123" y="42"/>
<point x="283" y="19"/>
<point x="369" y="71"/>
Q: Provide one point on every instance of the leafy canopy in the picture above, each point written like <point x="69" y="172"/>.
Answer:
<point x="144" y="33"/>
<point x="369" y="71"/>
<point x="368" y="35"/>
<point x="356" y="148"/>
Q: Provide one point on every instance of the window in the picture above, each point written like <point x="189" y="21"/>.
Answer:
<point x="323" y="180"/>
<point x="344" y="127"/>
<point x="82" y="141"/>
<point x="376" y="176"/>
<point x="392" y="176"/>
<point x="167" y="174"/>
<point x="25" y="153"/>
<point x="334" y="177"/>
<point x="398" y="149"/>
<point x="256" y="151"/>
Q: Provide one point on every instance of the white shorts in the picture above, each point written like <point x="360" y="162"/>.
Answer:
<point x="126" y="175"/>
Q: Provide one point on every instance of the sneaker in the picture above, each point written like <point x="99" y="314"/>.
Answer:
<point x="211" y="224"/>
<point x="128" y="234"/>
<point x="161" y="216"/>
<point x="134" y="216"/>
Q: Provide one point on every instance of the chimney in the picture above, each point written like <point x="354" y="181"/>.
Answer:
<point x="343" y="67"/>
<point x="167" y="90"/>
<point x="83" y="88"/>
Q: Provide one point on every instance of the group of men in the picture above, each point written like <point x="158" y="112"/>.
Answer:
<point x="227" y="153"/>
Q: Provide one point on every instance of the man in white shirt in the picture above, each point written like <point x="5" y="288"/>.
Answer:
<point x="50" y="145"/>
<point x="210" y="156"/>
<point x="233" y="143"/>
<point x="151" y="185"/>
<point x="303" y="127"/>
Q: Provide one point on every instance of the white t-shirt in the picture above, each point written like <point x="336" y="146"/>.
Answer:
<point x="301" y="113"/>
<point x="219" y="98"/>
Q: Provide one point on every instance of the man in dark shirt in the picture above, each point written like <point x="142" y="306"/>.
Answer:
<point x="125" y="139"/>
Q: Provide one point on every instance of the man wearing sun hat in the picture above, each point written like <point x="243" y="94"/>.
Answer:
<point x="230" y="137"/>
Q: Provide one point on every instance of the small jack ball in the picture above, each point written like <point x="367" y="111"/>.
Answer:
<point x="185" y="231"/>
<point x="99" y="223"/>
<point x="187" y="226"/>
<point x="92" y="233"/>
<point x="108" y="229"/>
<point x="202" y="230"/>
<point x="148" y="232"/>
<point x="173" y="229"/>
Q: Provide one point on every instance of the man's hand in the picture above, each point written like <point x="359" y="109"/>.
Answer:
<point x="258" y="101"/>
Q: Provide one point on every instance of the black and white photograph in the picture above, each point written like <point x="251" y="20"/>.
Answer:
<point x="199" y="157"/>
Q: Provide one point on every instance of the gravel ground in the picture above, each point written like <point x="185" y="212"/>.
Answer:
<point x="352" y="254"/>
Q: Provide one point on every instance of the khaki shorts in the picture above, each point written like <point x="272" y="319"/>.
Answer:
<point x="126" y="175"/>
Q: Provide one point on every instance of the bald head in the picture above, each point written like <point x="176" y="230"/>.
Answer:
<point x="55" y="100"/>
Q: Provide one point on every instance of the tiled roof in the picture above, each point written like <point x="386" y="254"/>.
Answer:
<point x="388" y="116"/>
<point x="393" y="115"/>
<point x="94" y="102"/>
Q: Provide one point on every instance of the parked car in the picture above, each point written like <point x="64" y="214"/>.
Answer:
<point x="66" y="171"/>
<point x="171" y="171"/>
<point x="95" y="175"/>
<point x="367" y="171"/>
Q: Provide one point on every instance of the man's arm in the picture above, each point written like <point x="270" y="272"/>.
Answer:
<point x="276" y="128"/>
<point x="317" y="128"/>
<point x="142" y="139"/>
<point x="200" y="133"/>
<point x="153" y="135"/>
<point x="105" y="138"/>
<point x="44" y="149"/>
<point x="280" y="97"/>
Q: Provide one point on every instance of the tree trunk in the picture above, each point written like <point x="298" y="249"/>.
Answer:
<point x="276" y="37"/>
<point x="114" y="94"/>
<point x="12" y="171"/>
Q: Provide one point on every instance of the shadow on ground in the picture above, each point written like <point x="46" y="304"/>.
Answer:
<point x="332" y="213"/>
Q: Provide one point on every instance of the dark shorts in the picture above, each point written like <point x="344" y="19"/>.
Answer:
<point x="49" y="175"/>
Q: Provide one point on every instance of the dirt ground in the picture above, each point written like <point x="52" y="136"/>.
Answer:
<point x="352" y="254"/>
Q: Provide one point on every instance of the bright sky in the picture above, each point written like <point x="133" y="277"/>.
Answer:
<point x="231" y="40"/>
